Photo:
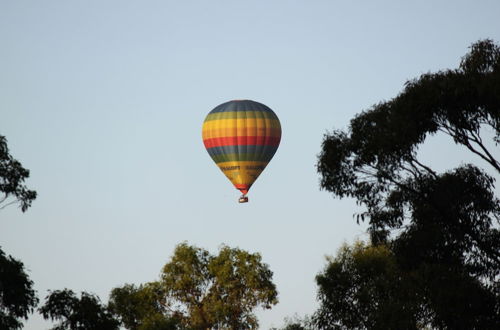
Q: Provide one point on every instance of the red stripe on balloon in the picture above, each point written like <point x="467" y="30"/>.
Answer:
<point x="242" y="140"/>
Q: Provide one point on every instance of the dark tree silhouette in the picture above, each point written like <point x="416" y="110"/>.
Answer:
<point x="73" y="313"/>
<point x="361" y="288"/>
<point x="12" y="176"/>
<point x="441" y="227"/>
<point x="17" y="296"/>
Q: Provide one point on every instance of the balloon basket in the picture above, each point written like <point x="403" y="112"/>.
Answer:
<point x="243" y="199"/>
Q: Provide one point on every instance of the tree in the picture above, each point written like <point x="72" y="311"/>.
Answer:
<point x="73" y="313"/>
<point x="198" y="290"/>
<point x="451" y="246"/>
<point x="442" y="228"/>
<point x="363" y="288"/>
<point x="12" y="176"/>
<point x="142" y="307"/>
<point x="217" y="291"/>
<point x="17" y="296"/>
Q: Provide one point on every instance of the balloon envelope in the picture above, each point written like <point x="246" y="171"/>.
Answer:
<point x="241" y="136"/>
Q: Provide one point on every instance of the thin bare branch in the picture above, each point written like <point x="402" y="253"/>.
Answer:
<point x="10" y="203"/>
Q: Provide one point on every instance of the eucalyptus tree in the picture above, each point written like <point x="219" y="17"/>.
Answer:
<point x="441" y="227"/>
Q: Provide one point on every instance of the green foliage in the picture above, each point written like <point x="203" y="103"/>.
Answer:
<point x="442" y="229"/>
<point x="17" y="297"/>
<point x="218" y="291"/>
<point x="198" y="290"/>
<point x="73" y="313"/>
<point x="12" y="176"/>
<point x="141" y="307"/>
<point x="160" y="322"/>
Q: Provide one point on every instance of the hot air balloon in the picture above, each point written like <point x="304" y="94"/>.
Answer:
<point x="241" y="136"/>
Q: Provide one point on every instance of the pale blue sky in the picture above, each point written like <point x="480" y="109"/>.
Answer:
<point x="104" y="100"/>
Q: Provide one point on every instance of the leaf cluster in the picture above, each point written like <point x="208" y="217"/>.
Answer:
<point x="73" y="313"/>
<point x="12" y="177"/>
<point x="141" y="307"/>
<point x="297" y="323"/>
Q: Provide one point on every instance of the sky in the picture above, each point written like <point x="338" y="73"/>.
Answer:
<point x="103" y="101"/>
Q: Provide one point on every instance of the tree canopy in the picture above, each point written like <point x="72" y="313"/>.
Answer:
<point x="441" y="227"/>
<point x="198" y="290"/>
<point x="361" y="288"/>
<point x="379" y="151"/>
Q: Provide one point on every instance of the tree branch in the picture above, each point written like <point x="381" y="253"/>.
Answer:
<point x="428" y="169"/>
<point x="477" y="139"/>
<point x="464" y="140"/>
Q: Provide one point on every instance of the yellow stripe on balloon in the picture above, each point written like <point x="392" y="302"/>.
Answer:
<point x="235" y="123"/>
<point x="242" y="173"/>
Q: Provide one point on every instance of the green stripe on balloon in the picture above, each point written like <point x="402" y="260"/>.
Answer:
<point x="241" y="157"/>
